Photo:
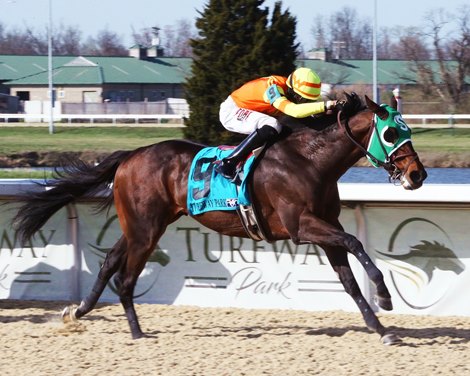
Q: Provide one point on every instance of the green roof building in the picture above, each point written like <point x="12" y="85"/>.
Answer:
<point x="144" y="78"/>
<point x="93" y="79"/>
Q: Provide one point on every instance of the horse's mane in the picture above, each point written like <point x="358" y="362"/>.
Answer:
<point x="350" y="106"/>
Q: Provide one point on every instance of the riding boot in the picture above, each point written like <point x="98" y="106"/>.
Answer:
<point x="227" y="167"/>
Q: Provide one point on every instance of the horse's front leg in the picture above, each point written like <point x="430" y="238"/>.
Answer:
<point x="382" y="297"/>
<point x="315" y="230"/>
<point x="338" y="259"/>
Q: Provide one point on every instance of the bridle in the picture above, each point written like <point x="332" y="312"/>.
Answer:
<point x="389" y="165"/>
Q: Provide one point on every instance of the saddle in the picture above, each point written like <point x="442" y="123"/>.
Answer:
<point x="208" y="191"/>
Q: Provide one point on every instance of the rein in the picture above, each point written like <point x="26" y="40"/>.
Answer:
<point x="394" y="172"/>
<point x="386" y="165"/>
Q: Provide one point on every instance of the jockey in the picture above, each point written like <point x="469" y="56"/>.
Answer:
<point x="252" y="109"/>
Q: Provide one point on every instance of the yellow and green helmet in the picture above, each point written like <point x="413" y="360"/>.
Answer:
<point x="305" y="82"/>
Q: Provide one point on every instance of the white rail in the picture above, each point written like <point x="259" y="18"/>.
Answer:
<point x="450" y="120"/>
<point x="112" y="118"/>
<point x="428" y="193"/>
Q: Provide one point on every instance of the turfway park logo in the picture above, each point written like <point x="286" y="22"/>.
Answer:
<point x="157" y="256"/>
<point x="422" y="271"/>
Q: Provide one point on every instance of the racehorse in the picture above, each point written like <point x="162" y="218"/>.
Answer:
<point x="294" y="188"/>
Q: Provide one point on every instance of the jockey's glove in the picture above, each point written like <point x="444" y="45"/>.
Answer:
<point x="330" y="105"/>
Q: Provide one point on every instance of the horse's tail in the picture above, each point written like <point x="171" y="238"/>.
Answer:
<point x="77" y="179"/>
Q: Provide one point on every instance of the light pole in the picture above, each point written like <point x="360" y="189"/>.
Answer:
<point x="374" y="55"/>
<point x="49" y="59"/>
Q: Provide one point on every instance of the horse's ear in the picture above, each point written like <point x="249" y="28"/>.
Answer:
<point x="375" y="108"/>
<point x="394" y="103"/>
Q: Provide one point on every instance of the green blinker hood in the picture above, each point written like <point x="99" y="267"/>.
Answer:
<point x="378" y="146"/>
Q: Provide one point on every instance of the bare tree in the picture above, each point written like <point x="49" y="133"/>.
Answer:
<point x="23" y="42"/>
<point x="384" y="43"/>
<point x="185" y="33"/>
<point x="107" y="43"/>
<point x="350" y="36"/>
<point x="449" y="37"/>
<point x="457" y="50"/>
<point x="318" y="32"/>
<point x="144" y="37"/>
<point x="177" y="39"/>
<point x="169" y="39"/>
<point x="67" y="41"/>
<point x="36" y="40"/>
<point x="344" y="34"/>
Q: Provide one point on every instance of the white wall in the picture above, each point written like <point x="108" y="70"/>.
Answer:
<point x="421" y="247"/>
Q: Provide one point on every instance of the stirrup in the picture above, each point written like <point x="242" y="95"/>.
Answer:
<point x="232" y="175"/>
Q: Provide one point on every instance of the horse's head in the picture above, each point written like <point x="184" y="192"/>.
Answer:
<point x="389" y="146"/>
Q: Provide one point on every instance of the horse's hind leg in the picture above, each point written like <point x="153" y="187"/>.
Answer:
<point x="139" y="249"/>
<point x="339" y="261"/>
<point x="113" y="260"/>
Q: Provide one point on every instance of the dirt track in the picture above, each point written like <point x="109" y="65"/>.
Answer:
<point x="204" y="341"/>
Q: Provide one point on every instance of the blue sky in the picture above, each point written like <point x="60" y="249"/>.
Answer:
<point x="121" y="16"/>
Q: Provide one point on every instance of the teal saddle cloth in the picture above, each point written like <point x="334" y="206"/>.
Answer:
<point x="208" y="190"/>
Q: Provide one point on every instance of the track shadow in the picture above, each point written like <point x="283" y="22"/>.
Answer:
<point x="51" y="311"/>
<point x="274" y="330"/>
<point x="426" y="336"/>
<point x="434" y="335"/>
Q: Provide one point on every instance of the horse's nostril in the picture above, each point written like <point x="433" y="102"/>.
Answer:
<point x="424" y="175"/>
<point x="418" y="176"/>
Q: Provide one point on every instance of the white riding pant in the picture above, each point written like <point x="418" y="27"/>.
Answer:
<point x="241" y="120"/>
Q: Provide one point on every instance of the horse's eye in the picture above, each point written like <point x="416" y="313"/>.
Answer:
<point x="390" y="135"/>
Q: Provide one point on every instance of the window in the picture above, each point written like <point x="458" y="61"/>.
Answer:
<point x="23" y="95"/>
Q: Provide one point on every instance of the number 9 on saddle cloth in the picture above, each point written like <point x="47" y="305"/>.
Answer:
<point x="209" y="191"/>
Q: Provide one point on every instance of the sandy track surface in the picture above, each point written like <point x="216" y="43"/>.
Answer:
<point x="205" y="341"/>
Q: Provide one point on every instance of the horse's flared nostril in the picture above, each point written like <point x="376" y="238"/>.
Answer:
<point x="424" y="175"/>
<point x="418" y="176"/>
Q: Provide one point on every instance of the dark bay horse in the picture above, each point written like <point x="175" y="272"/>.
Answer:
<point x="294" y="189"/>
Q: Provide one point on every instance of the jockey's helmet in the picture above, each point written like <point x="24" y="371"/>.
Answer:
<point x="305" y="83"/>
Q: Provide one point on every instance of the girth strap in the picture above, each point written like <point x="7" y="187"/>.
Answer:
<point x="250" y="218"/>
<point x="250" y="222"/>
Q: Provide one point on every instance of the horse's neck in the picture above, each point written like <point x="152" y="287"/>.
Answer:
<point x="331" y="149"/>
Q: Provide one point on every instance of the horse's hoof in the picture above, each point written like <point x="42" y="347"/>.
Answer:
<point x="390" y="339"/>
<point x="68" y="314"/>
<point x="384" y="303"/>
